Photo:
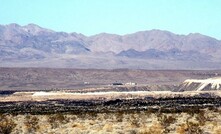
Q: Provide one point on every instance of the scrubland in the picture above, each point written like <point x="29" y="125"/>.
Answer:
<point x="192" y="121"/>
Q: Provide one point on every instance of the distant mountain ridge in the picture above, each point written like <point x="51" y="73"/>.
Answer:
<point x="32" y="45"/>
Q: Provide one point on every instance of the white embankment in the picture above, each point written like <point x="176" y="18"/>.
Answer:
<point x="42" y="93"/>
<point x="214" y="83"/>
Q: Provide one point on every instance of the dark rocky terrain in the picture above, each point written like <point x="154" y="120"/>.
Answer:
<point x="170" y="105"/>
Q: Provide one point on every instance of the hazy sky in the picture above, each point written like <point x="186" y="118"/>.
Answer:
<point x="116" y="16"/>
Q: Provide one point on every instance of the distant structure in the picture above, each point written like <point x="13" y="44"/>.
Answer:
<point x="86" y="83"/>
<point x="127" y="84"/>
<point x="131" y="84"/>
<point x="117" y="84"/>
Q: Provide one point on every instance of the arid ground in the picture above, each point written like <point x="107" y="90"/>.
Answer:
<point x="56" y="79"/>
<point x="64" y="101"/>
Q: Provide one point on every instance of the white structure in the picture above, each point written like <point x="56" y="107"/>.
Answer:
<point x="131" y="84"/>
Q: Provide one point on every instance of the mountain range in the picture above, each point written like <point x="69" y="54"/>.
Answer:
<point x="34" y="46"/>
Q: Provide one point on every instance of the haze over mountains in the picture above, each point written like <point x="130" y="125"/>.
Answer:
<point x="34" y="46"/>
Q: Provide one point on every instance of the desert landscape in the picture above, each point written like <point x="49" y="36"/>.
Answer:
<point x="110" y="67"/>
<point x="114" y="101"/>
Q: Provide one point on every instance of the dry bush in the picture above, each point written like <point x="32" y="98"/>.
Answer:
<point x="132" y="132"/>
<point x="87" y="115"/>
<point x="108" y="127"/>
<point x="166" y="121"/>
<point x="119" y="116"/>
<point x="192" y="111"/>
<point x="55" y="120"/>
<point x="31" y="123"/>
<point x="106" y="116"/>
<point x="182" y="129"/>
<point x="201" y="118"/>
<point x="217" y="130"/>
<point x="135" y="123"/>
<point x="156" y="128"/>
<point x="78" y="126"/>
<point x="134" y="120"/>
<point x="194" y="128"/>
<point x="190" y="128"/>
<point x="148" y="112"/>
<point x="6" y="125"/>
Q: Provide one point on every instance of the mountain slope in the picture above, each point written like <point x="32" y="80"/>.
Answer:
<point x="32" y="45"/>
<point x="155" y="39"/>
<point x="173" y="53"/>
<point x="20" y="41"/>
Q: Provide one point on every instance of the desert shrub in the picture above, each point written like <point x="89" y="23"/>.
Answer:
<point x="182" y="129"/>
<point x="192" y="110"/>
<point x="106" y="116"/>
<point x="148" y="112"/>
<point x="201" y="118"/>
<point x="156" y="128"/>
<point x="6" y="125"/>
<point x="31" y="123"/>
<point x="217" y="130"/>
<point x="108" y="127"/>
<point x="56" y="119"/>
<point x="193" y="128"/>
<point x="134" y="120"/>
<point x="87" y="115"/>
<point x="166" y="121"/>
<point x="190" y="128"/>
<point x="132" y="132"/>
<point x="119" y="116"/>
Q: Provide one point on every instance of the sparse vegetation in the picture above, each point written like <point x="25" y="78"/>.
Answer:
<point x="31" y="123"/>
<point x="193" y="128"/>
<point x="6" y="124"/>
<point x="56" y="119"/>
<point x="131" y="122"/>
<point x="165" y="121"/>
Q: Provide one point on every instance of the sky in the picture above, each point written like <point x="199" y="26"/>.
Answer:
<point x="91" y="17"/>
